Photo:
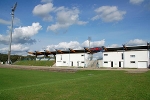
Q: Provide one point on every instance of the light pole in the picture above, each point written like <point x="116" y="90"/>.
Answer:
<point x="9" y="51"/>
<point x="44" y="54"/>
<point x="123" y="56"/>
<point x="55" y="54"/>
<point x="89" y="39"/>
<point x="148" y="44"/>
<point x="69" y="57"/>
<point x="84" y="57"/>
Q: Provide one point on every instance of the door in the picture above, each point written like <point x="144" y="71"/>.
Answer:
<point x="78" y="63"/>
<point x="119" y="63"/>
<point x="142" y="64"/>
<point x="111" y="63"/>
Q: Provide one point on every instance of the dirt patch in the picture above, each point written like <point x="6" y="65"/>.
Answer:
<point x="137" y="70"/>
<point x="42" y="68"/>
<point x="68" y="69"/>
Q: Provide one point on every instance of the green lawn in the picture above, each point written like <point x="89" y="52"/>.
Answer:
<point x="16" y="84"/>
<point x="35" y="63"/>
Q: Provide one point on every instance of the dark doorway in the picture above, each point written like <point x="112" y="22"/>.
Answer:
<point x="77" y="63"/>
<point x="72" y="63"/>
<point x="119" y="63"/>
<point x="112" y="64"/>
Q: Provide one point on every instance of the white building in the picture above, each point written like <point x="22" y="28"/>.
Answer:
<point x="126" y="59"/>
<point x="120" y="57"/>
<point x="73" y="59"/>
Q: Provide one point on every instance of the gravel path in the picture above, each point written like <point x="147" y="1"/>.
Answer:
<point x="69" y="69"/>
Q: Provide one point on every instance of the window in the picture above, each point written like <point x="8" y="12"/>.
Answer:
<point x="82" y="55"/>
<point x="132" y="62"/>
<point x="105" y="54"/>
<point x="122" y="56"/>
<point x="105" y="62"/>
<point x="82" y="62"/>
<point x="132" y="56"/>
<point x="64" y="61"/>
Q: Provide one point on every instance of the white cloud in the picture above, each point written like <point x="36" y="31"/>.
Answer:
<point x="65" y="18"/>
<point x="65" y="46"/>
<point x="114" y="45"/>
<point x="75" y="45"/>
<point x="19" y="47"/>
<point x="2" y="21"/>
<point x="47" y="18"/>
<point x="93" y="44"/>
<point x="46" y="1"/>
<point x="136" y="2"/>
<point x="82" y="22"/>
<point x="15" y="48"/>
<point x="109" y="14"/>
<point x="6" y="22"/>
<point x="22" y="34"/>
<point x="136" y="42"/>
<point x="44" y="10"/>
<point x="4" y="39"/>
<point x="17" y="21"/>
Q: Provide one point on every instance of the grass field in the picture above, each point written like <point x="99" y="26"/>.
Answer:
<point x="17" y="84"/>
<point x="35" y="63"/>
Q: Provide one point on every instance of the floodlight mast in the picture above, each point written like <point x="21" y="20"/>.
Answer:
<point x="89" y="39"/>
<point x="12" y="14"/>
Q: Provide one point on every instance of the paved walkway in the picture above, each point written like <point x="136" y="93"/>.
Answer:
<point x="70" y="69"/>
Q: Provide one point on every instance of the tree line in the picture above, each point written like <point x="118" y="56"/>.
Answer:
<point x="14" y="58"/>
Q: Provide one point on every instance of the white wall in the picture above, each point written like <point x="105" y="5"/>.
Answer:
<point x="140" y="56"/>
<point x="130" y="59"/>
<point x="75" y="59"/>
<point x="114" y="57"/>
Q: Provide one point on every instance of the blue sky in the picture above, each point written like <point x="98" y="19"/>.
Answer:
<point x="62" y="24"/>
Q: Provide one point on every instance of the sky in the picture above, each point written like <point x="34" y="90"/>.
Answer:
<point x="61" y="24"/>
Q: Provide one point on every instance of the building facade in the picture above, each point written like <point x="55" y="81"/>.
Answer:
<point x="119" y="57"/>
<point x="74" y="59"/>
<point x="126" y="59"/>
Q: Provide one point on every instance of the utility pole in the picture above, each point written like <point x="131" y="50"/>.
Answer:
<point x="89" y="39"/>
<point x="12" y="14"/>
<point x="148" y="45"/>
